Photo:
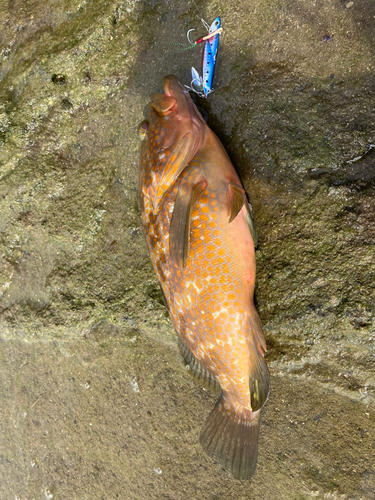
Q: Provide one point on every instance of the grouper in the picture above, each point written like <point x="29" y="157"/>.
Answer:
<point x="201" y="239"/>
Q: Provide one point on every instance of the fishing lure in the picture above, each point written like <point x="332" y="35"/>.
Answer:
<point x="202" y="85"/>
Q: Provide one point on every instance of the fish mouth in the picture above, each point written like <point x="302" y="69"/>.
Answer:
<point x="187" y="110"/>
<point x="173" y="87"/>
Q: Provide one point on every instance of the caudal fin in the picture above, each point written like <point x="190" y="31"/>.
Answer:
<point x="232" y="439"/>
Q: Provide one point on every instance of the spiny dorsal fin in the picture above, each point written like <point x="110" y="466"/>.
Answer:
<point x="179" y="232"/>
<point x="237" y="198"/>
<point x="197" y="370"/>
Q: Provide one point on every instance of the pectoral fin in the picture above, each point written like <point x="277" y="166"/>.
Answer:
<point x="237" y="198"/>
<point x="179" y="232"/>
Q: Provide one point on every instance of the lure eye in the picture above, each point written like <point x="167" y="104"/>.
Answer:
<point x="216" y="23"/>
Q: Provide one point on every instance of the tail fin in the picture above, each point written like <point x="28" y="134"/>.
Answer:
<point x="232" y="439"/>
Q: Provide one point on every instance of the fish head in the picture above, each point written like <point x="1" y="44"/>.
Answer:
<point x="172" y="135"/>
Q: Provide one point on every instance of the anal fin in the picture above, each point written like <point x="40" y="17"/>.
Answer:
<point x="197" y="370"/>
<point x="179" y="231"/>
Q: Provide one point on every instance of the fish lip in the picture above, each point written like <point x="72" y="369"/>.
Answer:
<point x="168" y="82"/>
<point x="174" y="88"/>
<point x="166" y="85"/>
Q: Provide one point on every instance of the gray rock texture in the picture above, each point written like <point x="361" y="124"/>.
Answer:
<point x="94" y="400"/>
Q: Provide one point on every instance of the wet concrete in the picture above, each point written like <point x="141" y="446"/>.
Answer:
<point x="94" y="400"/>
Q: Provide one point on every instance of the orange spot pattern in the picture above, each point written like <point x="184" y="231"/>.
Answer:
<point x="210" y="301"/>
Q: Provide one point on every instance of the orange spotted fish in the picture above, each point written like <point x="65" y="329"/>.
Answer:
<point x="200" y="237"/>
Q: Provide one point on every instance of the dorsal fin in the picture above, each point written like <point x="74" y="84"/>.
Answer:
<point x="237" y="198"/>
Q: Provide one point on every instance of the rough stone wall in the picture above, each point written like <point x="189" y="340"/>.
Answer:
<point x="94" y="401"/>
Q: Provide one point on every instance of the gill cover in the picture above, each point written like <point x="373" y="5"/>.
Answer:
<point x="176" y="132"/>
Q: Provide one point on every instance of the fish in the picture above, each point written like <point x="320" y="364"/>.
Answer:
<point x="201" y="239"/>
